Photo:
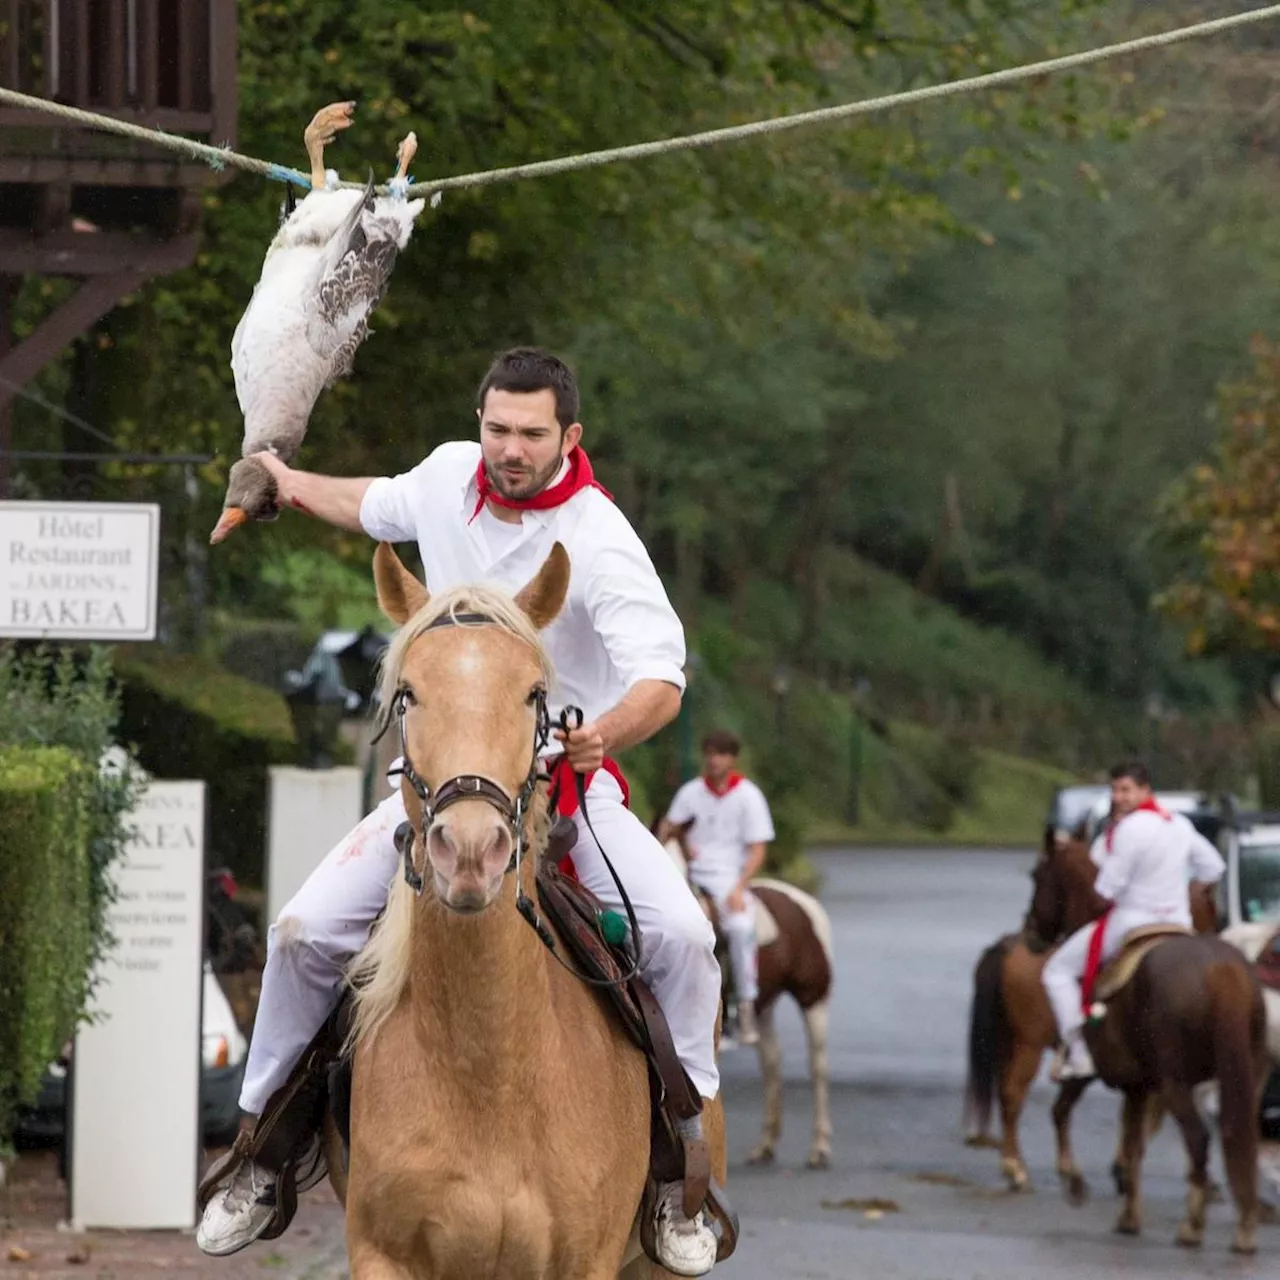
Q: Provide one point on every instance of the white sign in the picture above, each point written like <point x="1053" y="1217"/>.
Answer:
<point x="79" y="570"/>
<point x="309" y="811"/>
<point x="136" y="1069"/>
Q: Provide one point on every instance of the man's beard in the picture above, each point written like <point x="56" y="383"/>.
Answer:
<point x="519" y="488"/>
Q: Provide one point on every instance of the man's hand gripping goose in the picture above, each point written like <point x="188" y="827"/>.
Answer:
<point x="324" y="272"/>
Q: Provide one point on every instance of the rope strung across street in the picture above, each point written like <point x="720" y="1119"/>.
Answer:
<point x="221" y="157"/>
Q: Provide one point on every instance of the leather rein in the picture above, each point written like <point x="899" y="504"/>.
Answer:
<point x="514" y="810"/>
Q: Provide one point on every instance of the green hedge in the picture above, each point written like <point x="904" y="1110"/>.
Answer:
<point x="189" y="718"/>
<point x="45" y="932"/>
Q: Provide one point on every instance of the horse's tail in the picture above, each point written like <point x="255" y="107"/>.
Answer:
<point x="988" y="1040"/>
<point x="1239" y="1037"/>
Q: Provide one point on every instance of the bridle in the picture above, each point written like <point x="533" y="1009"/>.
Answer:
<point x="514" y="810"/>
<point x="469" y="786"/>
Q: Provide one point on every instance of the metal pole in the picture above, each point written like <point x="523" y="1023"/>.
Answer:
<point x="853" y="802"/>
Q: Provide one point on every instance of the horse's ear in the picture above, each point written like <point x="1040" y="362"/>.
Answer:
<point x="400" y="594"/>
<point x="543" y="598"/>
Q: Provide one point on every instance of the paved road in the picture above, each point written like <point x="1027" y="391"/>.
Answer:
<point x="908" y="928"/>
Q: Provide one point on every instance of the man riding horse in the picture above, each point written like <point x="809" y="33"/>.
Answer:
<point x="490" y="513"/>
<point x="727" y="827"/>
<point x="1146" y="856"/>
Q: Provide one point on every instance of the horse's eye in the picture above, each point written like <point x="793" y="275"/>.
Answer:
<point x="407" y="696"/>
<point x="535" y="694"/>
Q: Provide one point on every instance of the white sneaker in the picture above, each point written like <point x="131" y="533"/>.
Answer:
<point x="747" y="1031"/>
<point x="242" y="1210"/>
<point x="685" y="1246"/>
<point x="1074" y="1062"/>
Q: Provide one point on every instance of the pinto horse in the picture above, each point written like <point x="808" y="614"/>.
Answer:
<point x="797" y="961"/>
<point x="1011" y="1023"/>
<point x="500" y="1115"/>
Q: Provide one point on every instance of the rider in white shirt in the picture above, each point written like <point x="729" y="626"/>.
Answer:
<point x="728" y="828"/>
<point x="490" y="512"/>
<point x="1147" y="858"/>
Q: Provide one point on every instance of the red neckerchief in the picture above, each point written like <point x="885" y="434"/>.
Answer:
<point x="579" y="476"/>
<point x="729" y="783"/>
<point x="1147" y="806"/>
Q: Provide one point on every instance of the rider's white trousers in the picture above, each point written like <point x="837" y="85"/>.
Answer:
<point x="1064" y="973"/>
<point x="328" y="921"/>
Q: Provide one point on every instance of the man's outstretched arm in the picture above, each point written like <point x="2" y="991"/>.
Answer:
<point x="334" y="499"/>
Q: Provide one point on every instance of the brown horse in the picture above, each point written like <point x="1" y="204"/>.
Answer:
<point x="1011" y="1022"/>
<point x="500" y="1116"/>
<point x="795" y="959"/>
<point x="1191" y="1012"/>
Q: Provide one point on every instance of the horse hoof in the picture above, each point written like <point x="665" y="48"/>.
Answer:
<point x="1189" y="1237"/>
<point x="761" y="1155"/>
<point x="819" y="1160"/>
<point x="1246" y="1247"/>
<point x="1075" y="1187"/>
<point x="1128" y="1227"/>
<point x="984" y="1140"/>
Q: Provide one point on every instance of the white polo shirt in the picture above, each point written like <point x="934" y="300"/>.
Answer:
<point x="724" y="827"/>
<point x="1151" y="859"/>
<point x="617" y="626"/>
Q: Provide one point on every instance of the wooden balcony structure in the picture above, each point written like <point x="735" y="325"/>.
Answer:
<point x="110" y="211"/>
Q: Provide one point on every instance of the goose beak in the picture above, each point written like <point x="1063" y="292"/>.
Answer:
<point x="232" y="517"/>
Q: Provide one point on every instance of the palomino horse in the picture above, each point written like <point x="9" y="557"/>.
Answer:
<point x="1190" y="1012"/>
<point x="795" y="958"/>
<point x="500" y="1116"/>
<point x="1011" y="1022"/>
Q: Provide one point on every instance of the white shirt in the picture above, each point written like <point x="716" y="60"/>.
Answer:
<point x="1150" y="862"/>
<point x="724" y="826"/>
<point x="617" y="626"/>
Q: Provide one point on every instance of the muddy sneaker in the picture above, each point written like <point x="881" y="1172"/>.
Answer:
<point x="242" y="1210"/>
<point x="685" y="1246"/>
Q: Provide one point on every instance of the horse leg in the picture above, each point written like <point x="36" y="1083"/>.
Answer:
<point x="1153" y="1119"/>
<point x="770" y="1050"/>
<point x="1133" y="1146"/>
<point x="1073" y="1181"/>
<point x="815" y="1025"/>
<point x="1019" y="1072"/>
<point x="1181" y="1105"/>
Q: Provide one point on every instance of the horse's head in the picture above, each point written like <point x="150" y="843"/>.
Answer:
<point x="1062" y="897"/>
<point x="1044" y="915"/>
<point x="466" y="679"/>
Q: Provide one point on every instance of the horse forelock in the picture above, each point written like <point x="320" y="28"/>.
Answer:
<point x="497" y="606"/>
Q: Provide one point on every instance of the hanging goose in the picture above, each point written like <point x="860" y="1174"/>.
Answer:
<point x="323" y="273"/>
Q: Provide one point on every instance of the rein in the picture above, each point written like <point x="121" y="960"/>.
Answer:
<point x="473" y="786"/>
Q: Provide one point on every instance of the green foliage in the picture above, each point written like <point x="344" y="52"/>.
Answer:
<point x="46" y="928"/>
<point x="188" y="718"/>
<point x="50" y="699"/>
<point x="1267" y="748"/>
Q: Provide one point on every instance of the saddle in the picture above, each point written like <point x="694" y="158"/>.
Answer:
<point x="322" y="1079"/>
<point x="1117" y="972"/>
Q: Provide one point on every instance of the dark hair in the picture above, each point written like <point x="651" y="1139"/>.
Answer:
<point x="527" y="369"/>
<point x="722" y="742"/>
<point x="1133" y="769"/>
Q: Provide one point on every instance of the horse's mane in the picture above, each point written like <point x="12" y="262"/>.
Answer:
<point x="379" y="973"/>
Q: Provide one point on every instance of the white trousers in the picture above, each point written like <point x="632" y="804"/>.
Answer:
<point x="328" y="920"/>
<point x="739" y="927"/>
<point x="1064" y="973"/>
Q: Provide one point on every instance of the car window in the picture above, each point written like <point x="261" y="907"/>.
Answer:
<point x="1259" y="872"/>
